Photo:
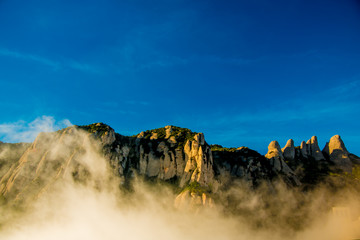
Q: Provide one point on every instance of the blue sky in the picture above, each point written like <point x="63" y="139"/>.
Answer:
<point x="242" y="72"/>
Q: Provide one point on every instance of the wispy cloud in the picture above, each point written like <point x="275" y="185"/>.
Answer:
<point x="168" y="61"/>
<point x="22" y="131"/>
<point x="83" y="67"/>
<point x="30" y="57"/>
<point x="134" y="102"/>
<point x="55" y="65"/>
<point x="345" y="90"/>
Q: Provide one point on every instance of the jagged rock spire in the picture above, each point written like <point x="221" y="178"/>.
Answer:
<point x="335" y="143"/>
<point x="278" y="164"/>
<point x="274" y="150"/>
<point x="303" y="149"/>
<point x="311" y="148"/>
<point x="289" y="150"/>
<point x="336" y="151"/>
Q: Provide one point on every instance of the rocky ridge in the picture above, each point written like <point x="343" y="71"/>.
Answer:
<point x="171" y="154"/>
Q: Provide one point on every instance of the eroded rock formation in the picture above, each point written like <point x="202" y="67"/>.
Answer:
<point x="336" y="151"/>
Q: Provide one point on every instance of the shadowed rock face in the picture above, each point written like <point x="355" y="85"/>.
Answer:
<point x="304" y="150"/>
<point x="241" y="163"/>
<point x="313" y="149"/>
<point x="289" y="150"/>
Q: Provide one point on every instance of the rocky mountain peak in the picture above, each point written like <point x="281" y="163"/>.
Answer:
<point x="199" y="137"/>
<point x="289" y="150"/>
<point x="98" y="130"/>
<point x="313" y="150"/>
<point x="335" y="144"/>
<point x="96" y="127"/>
<point x="276" y="159"/>
<point x="274" y="150"/>
<point x="168" y="131"/>
<point x="314" y="140"/>
<point x="303" y="149"/>
<point x="336" y="151"/>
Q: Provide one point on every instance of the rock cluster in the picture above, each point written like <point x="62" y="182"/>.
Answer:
<point x="277" y="161"/>
<point x="334" y="152"/>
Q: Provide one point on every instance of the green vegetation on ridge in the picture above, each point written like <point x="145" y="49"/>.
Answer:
<point x="217" y="147"/>
<point x="96" y="127"/>
<point x="195" y="187"/>
<point x="181" y="135"/>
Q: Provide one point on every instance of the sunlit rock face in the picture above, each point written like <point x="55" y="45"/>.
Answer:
<point x="278" y="163"/>
<point x="82" y="153"/>
<point x="169" y="154"/>
<point x="10" y="154"/>
<point x="66" y="154"/>
<point x="336" y="151"/>
<point x="193" y="201"/>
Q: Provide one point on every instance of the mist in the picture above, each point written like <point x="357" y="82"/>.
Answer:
<point x="100" y="208"/>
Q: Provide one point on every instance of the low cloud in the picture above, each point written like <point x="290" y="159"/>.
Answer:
<point x="96" y="208"/>
<point x="22" y="131"/>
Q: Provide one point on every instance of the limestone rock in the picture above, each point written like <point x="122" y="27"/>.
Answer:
<point x="313" y="150"/>
<point x="199" y="161"/>
<point x="336" y="151"/>
<point x="335" y="144"/>
<point x="189" y="200"/>
<point x="278" y="164"/>
<point x="242" y="163"/>
<point x="108" y="137"/>
<point x="168" y="131"/>
<point x="304" y="149"/>
<point x="274" y="150"/>
<point x="140" y="135"/>
<point x="154" y="135"/>
<point x="289" y="150"/>
<point x="172" y="139"/>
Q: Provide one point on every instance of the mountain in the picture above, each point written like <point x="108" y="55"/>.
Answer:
<point x="173" y="155"/>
